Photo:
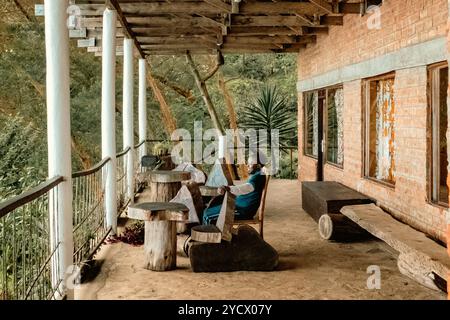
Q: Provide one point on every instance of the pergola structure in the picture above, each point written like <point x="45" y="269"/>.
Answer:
<point x="160" y="27"/>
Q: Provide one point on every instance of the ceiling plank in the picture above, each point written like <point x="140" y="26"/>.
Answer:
<point x="324" y="5"/>
<point x="146" y="8"/>
<point x="126" y="27"/>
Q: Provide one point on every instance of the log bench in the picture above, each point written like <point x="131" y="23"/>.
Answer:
<point x="323" y="201"/>
<point x="421" y="258"/>
<point x="160" y="242"/>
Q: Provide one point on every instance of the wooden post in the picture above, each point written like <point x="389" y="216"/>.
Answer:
<point x="59" y="138"/>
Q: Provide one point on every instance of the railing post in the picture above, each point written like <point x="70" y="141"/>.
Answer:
<point x="128" y="130"/>
<point x="59" y="137"/>
<point x="108" y="115"/>
<point x="142" y="107"/>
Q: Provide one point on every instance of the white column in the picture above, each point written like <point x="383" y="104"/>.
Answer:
<point x="142" y="107"/>
<point x="108" y="115"/>
<point x="128" y="130"/>
<point x="58" y="134"/>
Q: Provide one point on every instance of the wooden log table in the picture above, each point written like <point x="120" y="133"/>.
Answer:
<point x="164" y="186"/>
<point x="160" y="243"/>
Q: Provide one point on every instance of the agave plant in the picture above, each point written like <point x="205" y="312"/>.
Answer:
<point x="269" y="112"/>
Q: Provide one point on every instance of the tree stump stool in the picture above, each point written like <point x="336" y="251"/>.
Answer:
<point x="160" y="243"/>
<point x="208" y="193"/>
<point x="164" y="186"/>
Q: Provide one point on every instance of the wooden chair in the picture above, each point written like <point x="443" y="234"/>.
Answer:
<point x="259" y="217"/>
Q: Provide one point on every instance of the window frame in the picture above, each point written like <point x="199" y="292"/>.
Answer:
<point x="325" y="125"/>
<point x="366" y="127"/>
<point x="433" y="156"/>
<point x="305" y="135"/>
<point x="325" y="120"/>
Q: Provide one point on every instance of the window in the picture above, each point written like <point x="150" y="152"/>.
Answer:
<point x="380" y="129"/>
<point x="438" y="84"/>
<point x="370" y="3"/>
<point x="311" y="123"/>
<point x="324" y="118"/>
<point x="335" y="127"/>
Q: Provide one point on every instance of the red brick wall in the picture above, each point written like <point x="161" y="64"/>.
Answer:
<point x="404" y="23"/>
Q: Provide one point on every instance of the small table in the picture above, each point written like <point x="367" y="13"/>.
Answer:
<point x="164" y="186"/>
<point x="160" y="243"/>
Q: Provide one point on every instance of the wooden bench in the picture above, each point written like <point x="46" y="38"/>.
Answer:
<point x="421" y="258"/>
<point x="323" y="201"/>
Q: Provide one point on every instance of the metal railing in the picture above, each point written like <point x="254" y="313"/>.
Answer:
<point x="288" y="164"/>
<point x="29" y="250"/>
<point x="89" y="221"/>
<point x="121" y="173"/>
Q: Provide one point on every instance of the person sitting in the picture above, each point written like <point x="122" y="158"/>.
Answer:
<point x="248" y="195"/>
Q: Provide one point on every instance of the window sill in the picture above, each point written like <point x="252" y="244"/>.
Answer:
<point x="439" y="205"/>
<point x="310" y="156"/>
<point x="335" y="166"/>
<point x="381" y="183"/>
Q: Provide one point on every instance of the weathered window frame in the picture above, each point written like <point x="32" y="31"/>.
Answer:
<point x="434" y="172"/>
<point x="320" y="92"/>
<point x="305" y="126"/>
<point x="366" y="127"/>
<point x="326" y="127"/>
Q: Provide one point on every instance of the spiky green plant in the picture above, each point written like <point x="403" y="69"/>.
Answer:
<point x="269" y="112"/>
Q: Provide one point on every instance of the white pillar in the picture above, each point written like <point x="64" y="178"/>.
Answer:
<point x="58" y="134"/>
<point x="142" y="107"/>
<point x="108" y="115"/>
<point x="128" y="130"/>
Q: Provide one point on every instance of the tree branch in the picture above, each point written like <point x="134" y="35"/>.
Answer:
<point x="205" y="95"/>
<point x="181" y="91"/>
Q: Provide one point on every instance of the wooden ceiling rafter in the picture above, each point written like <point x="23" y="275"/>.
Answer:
<point x="173" y="26"/>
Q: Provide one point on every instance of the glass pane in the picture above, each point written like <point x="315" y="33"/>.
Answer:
<point x="443" y="86"/>
<point x="382" y="130"/>
<point x="311" y="123"/>
<point x="335" y="132"/>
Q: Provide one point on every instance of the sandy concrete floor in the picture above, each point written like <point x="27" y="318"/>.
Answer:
<point x="309" y="268"/>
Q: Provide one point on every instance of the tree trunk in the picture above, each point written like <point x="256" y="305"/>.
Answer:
<point x="205" y="95"/>
<point x="181" y="91"/>
<point x="242" y="170"/>
<point x="228" y="101"/>
<point x="168" y="119"/>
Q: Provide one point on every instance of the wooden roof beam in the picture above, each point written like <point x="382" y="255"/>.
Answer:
<point x="138" y="9"/>
<point x="222" y="6"/>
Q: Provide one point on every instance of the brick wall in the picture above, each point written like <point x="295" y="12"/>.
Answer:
<point x="404" y="23"/>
